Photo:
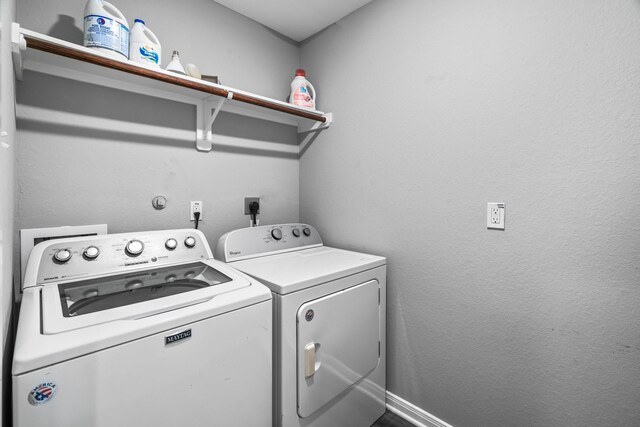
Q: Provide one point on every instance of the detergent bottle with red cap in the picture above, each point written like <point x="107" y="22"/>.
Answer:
<point x="302" y="92"/>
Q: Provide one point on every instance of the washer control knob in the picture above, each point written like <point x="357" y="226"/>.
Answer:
<point x="306" y="231"/>
<point x="91" y="252"/>
<point x="190" y="241"/>
<point x="276" y="233"/>
<point x="134" y="247"/>
<point x="171" y="244"/>
<point x="62" y="255"/>
<point x="296" y="232"/>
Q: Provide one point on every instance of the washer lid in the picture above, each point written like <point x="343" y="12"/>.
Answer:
<point x="132" y="295"/>
<point x="294" y="271"/>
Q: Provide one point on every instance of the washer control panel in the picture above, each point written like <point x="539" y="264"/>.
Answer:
<point x="267" y="239"/>
<point x="64" y="259"/>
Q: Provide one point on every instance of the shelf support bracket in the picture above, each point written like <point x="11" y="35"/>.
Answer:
<point x="307" y="136"/>
<point x="319" y="126"/>
<point x="205" y="119"/>
<point x="18" y="44"/>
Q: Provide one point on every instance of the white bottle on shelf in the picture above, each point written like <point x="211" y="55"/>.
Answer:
<point x="145" y="46"/>
<point x="175" y="65"/>
<point x="106" y="29"/>
<point x="303" y="93"/>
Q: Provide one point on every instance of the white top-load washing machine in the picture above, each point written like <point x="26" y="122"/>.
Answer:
<point x="141" y="329"/>
<point x="329" y="323"/>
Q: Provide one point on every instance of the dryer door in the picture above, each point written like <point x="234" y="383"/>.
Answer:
<point x="337" y="344"/>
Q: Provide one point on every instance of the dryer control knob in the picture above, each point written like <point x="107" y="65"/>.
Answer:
<point x="171" y="244"/>
<point x="91" y="252"/>
<point x="190" y="241"/>
<point x="62" y="255"/>
<point x="296" y="232"/>
<point x="276" y="233"/>
<point x="306" y="231"/>
<point x="134" y="247"/>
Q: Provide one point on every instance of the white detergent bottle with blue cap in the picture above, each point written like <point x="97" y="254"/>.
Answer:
<point x="106" y="29"/>
<point x="144" y="46"/>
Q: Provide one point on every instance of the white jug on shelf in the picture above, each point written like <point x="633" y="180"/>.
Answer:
<point x="145" y="46"/>
<point x="106" y="29"/>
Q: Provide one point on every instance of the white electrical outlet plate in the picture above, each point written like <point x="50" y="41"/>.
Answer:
<point x="495" y="215"/>
<point x="196" y="207"/>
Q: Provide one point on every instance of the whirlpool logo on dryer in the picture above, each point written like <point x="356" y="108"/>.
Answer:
<point x="177" y="337"/>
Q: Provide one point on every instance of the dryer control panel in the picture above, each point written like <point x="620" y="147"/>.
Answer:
<point x="252" y="242"/>
<point x="65" y="259"/>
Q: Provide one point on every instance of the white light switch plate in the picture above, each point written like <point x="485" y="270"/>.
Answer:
<point x="495" y="215"/>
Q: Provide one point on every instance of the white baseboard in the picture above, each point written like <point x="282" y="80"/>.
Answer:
<point x="410" y="412"/>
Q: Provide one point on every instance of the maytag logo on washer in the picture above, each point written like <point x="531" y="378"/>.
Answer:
<point x="177" y="337"/>
<point x="42" y="393"/>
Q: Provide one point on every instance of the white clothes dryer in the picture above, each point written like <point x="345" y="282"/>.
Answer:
<point x="329" y="323"/>
<point x="140" y="329"/>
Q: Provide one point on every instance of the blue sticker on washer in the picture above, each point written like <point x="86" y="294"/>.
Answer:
<point x="42" y="393"/>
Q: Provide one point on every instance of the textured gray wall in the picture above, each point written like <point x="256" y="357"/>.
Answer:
<point x="89" y="154"/>
<point x="442" y="106"/>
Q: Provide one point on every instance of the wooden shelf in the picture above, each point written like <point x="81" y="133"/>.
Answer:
<point x="41" y="53"/>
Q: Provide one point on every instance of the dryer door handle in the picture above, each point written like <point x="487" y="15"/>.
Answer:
<point x="309" y="360"/>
